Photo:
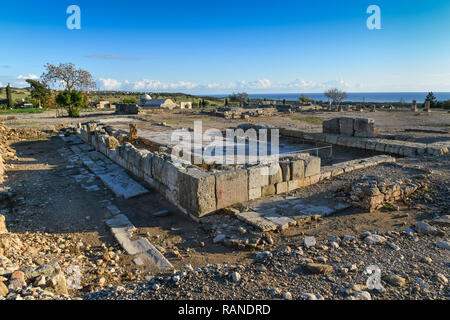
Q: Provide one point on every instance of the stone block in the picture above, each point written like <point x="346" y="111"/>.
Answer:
<point x="147" y="164"/>
<point x="268" y="190"/>
<point x="277" y="175"/>
<point x="346" y="126"/>
<point x="197" y="191"/>
<point x="281" y="187"/>
<point x="331" y="126"/>
<point x="297" y="169"/>
<point x="292" y="185"/>
<point x="285" y="170"/>
<point x="254" y="193"/>
<point x="364" y="128"/>
<point x="231" y="188"/>
<point x="258" y="177"/>
<point x="312" y="166"/>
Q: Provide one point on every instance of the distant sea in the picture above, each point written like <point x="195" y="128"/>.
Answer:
<point x="353" y="96"/>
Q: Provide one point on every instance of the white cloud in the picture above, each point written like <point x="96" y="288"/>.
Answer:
<point x="110" y="84"/>
<point x="28" y="76"/>
<point x="148" y="84"/>
<point x="260" y="85"/>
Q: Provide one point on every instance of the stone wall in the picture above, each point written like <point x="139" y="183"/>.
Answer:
<point x="192" y="189"/>
<point x="127" y="108"/>
<point x="374" y="193"/>
<point x="403" y="148"/>
<point x="359" y="127"/>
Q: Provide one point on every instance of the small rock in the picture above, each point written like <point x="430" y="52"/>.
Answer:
<point x="362" y="295"/>
<point x="17" y="281"/>
<point x="3" y="225"/>
<point x="441" y="278"/>
<point x="424" y="228"/>
<point x="394" y="280"/>
<point x="375" y="239"/>
<point x="318" y="268"/>
<point x="333" y="239"/>
<point x="309" y="296"/>
<point x="334" y="245"/>
<point x="393" y="246"/>
<point x="236" y="276"/>
<point x="220" y="238"/>
<point x="3" y="289"/>
<point x="155" y="286"/>
<point x="443" y="244"/>
<point x="309" y="242"/>
<point x="287" y="295"/>
<point x="422" y="283"/>
<point x="427" y="260"/>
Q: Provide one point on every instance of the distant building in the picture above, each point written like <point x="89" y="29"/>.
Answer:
<point x="100" y="104"/>
<point x="148" y="103"/>
<point x="185" y="105"/>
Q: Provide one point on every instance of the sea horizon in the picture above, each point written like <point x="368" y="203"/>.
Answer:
<point x="375" y="97"/>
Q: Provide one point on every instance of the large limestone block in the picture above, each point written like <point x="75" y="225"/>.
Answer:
<point x="331" y="126"/>
<point x="297" y="169"/>
<point x="364" y="128"/>
<point x="165" y="172"/>
<point x="258" y="177"/>
<point x="254" y="193"/>
<point x="197" y="191"/>
<point x="346" y="126"/>
<point x="286" y="170"/>
<point x="231" y="188"/>
<point x="312" y="166"/>
<point x="268" y="190"/>
<point x="276" y="174"/>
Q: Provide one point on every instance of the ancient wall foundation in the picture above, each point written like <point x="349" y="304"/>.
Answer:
<point x="359" y="127"/>
<point x="194" y="190"/>
<point x="372" y="193"/>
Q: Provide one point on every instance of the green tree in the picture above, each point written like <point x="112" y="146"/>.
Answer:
<point x="72" y="101"/>
<point x="9" y="100"/>
<point x="226" y="101"/>
<point x="40" y="94"/>
<point x="433" y="101"/>
<point x="129" y="100"/>
<point x="304" y="99"/>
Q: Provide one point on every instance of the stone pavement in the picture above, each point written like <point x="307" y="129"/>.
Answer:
<point x="279" y="213"/>
<point x="111" y="174"/>
<point x="122" y="185"/>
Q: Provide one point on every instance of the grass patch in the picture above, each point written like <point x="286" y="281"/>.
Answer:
<point x="310" y="120"/>
<point x="23" y="111"/>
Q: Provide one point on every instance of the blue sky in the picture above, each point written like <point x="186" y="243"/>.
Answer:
<point x="228" y="46"/>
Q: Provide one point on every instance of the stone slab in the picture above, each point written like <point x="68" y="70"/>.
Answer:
<point x="231" y="188"/>
<point x="257" y="220"/>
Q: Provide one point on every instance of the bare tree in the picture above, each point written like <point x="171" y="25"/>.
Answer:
<point x="336" y="96"/>
<point x="67" y="76"/>
<point x="241" y="97"/>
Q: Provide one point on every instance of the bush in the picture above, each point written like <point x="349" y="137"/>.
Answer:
<point x="73" y="101"/>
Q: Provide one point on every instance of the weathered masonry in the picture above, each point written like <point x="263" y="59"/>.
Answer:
<point x="195" y="190"/>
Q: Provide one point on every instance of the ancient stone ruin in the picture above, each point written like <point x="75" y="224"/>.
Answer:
<point x="358" y="127"/>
